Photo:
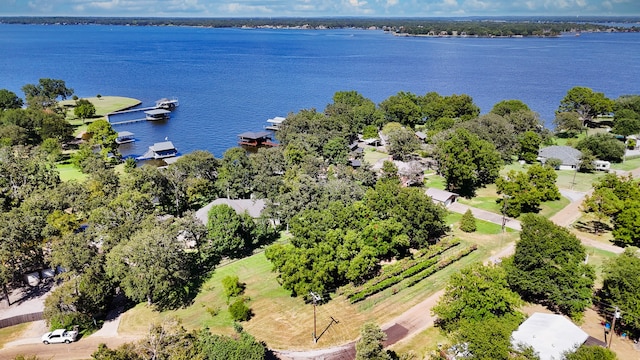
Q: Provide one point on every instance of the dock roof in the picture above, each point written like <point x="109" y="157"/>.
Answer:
<point x="162" y="146"/>
<point x="157" y="112"/>
<point x="254" y="135"/>
<point x="125" y="133"/>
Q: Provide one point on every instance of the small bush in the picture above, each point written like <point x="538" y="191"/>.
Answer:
<point x="232" y="286"/>
<point x="239" y="311"/>
<point x="213" y="311"/>
<point x="468" y="222"/>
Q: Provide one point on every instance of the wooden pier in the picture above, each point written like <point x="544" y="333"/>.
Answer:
<point x="131" y="110"/>
<point x="127" y="121"/>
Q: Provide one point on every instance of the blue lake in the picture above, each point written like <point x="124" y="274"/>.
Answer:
<point x="232" y="80"/>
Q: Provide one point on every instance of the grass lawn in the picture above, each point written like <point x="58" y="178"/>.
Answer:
<point x="104" y="105"/>
<point x="627" y="165"/>
<point x="12" y="333"/>
<point x="583" y="181"/>
<point x="434" y="181"/>
<point x="597" y="258"/>
<point x="372" y="156"/>
<point x="70" y="172"/>
<point x="422" y="344"/>
<point x="284" y="322"/>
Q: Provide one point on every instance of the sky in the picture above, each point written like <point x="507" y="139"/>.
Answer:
<point x="318" y="8"/>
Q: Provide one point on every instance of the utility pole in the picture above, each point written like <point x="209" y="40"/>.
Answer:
<point x="616" y="315"/>
<point x="315" y="298"/>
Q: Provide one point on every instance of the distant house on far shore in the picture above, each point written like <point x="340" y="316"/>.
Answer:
<point x="252" y="207"/>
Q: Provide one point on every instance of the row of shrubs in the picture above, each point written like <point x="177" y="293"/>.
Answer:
<point x="413" y="274"/>
<point x="398" y="268"/>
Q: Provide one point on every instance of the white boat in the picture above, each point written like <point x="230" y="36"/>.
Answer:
<point x="167" y="104"/>
<point x="125" y="137"/>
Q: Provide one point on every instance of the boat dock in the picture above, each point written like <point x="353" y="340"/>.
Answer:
<point x="162" y="104"/>
<point x="127" y="121"/>
<point x="131" y="110"/>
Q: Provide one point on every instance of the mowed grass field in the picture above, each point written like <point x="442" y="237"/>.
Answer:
<point x="285" y="322"/>
<point x="103" y="105"/>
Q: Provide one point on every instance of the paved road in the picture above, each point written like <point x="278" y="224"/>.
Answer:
<point x="486" y="215"/>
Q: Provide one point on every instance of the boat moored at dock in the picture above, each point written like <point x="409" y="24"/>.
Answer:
<point x="167" y="104"/>
<point x="255" y="139"/>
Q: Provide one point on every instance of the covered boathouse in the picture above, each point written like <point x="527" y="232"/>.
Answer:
<point x="255" y="139"/>
<point x="157" y="114"/>
<point x="160" y="150"/>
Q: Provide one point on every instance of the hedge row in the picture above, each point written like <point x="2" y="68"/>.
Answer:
<point x="396" y="269"/>
<point x="414" y="274"/>
<point x="441" y="265"/>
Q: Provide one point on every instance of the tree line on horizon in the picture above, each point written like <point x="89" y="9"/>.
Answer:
<point x="472" y="26"/>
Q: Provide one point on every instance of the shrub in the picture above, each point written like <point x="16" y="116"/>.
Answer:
<point x="468" y="222"/>
<point x="239" y="311"/>
<point x="232" y="286"/>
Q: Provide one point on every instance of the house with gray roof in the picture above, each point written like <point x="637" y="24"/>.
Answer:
<point x="252" y="207"/>
<point x="568" y="156"/>
<point x="443" y="197"/>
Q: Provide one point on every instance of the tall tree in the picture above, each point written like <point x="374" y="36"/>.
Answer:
<point x="548" y="267"/>
<point x="402" y="108"/>
<point x="9" y="100"/>
<point x="84" y="109"/>
<point x="476" y="293"/>
<point x="526" y="191"/>
<point x="585" y="102"/>
<point x="603" y="146"/>
<point x="235" y="174"/>
<point x="467" y="163"/>
<point x="45" y="94"/>
<point x="151" y="266"/>
<point x="506" y="107"/>
<point x="621" y="285"/>
<point x="103" y="135"/>
<point x="369" y="346"/>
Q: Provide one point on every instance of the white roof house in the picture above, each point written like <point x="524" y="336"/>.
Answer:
<point x="252" y="207"/>
<point x="550" y="335"/>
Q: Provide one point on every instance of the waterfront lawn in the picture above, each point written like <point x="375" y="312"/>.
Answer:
<point x="103" y="105"/>
<point x="69" y="172"/>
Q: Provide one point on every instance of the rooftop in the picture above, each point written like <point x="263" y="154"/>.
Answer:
<point x="157" y="112"/>
<point x="550" y="335"/>
<point x="566" y="154"/>
<point x="252" y="207"/>
<point x="162" y="146"/>
<point x="254" y="135"/>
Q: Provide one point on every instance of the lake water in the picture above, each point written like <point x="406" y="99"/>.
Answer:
<point x="232" y="80"/>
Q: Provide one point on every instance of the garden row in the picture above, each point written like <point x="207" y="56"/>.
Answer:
<point x="399" y="267"/>
<point x="413" y="275"/>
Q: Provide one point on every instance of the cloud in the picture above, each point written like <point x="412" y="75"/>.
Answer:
<point x="209" y="8"/>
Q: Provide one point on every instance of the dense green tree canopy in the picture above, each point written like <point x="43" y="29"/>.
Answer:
<point x="402" y="108"/>
<point x="621" y="285"/>
<point x="524" y="192"/>
<point x="476" y="293"/>
<point x="467" y="163"/>
<point x="586" y="102"/>
<point x="603" y="146"/>
<point x="9" y="100"/>
<point x="46" y="93"/>
<point x="369" y="346"/>
<point x="548" y="267"/>
<point x="506" y="107"/>
<point x="151" y="266"/>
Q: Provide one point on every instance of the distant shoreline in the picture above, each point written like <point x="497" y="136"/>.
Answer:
<point x="471" y="27"/>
